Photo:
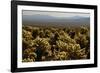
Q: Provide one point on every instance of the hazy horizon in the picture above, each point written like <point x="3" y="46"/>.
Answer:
<point x="60" y="18"/>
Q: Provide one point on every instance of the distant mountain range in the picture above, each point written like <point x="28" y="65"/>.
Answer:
<point x="45" y="20"/>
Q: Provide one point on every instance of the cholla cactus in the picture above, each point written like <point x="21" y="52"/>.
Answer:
<point x="29" y="55"/>
<point x="46" y="44"/>
<point x="28" y="28"/>
<point x="43" y="42"/>
<point x="76" y="52"/>
<point x="66" y="38"/>
<point x="62" y="45"/>
<point x="63" y="55"/>
<point x="82" y="40"/>
<point x="27" y="35"/>
<point x="81" y="54"/>
<point x="27" y="60"/>
<point x="84" y="30"/>
<point x="48" y="33"/>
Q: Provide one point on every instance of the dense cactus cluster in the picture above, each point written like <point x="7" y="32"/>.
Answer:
<point x="51" y="44"/>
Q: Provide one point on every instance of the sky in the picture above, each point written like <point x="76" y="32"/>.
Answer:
<point x="55" y="14"/>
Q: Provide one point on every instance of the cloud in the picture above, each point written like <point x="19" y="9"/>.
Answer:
<point x="55" y="14"/>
